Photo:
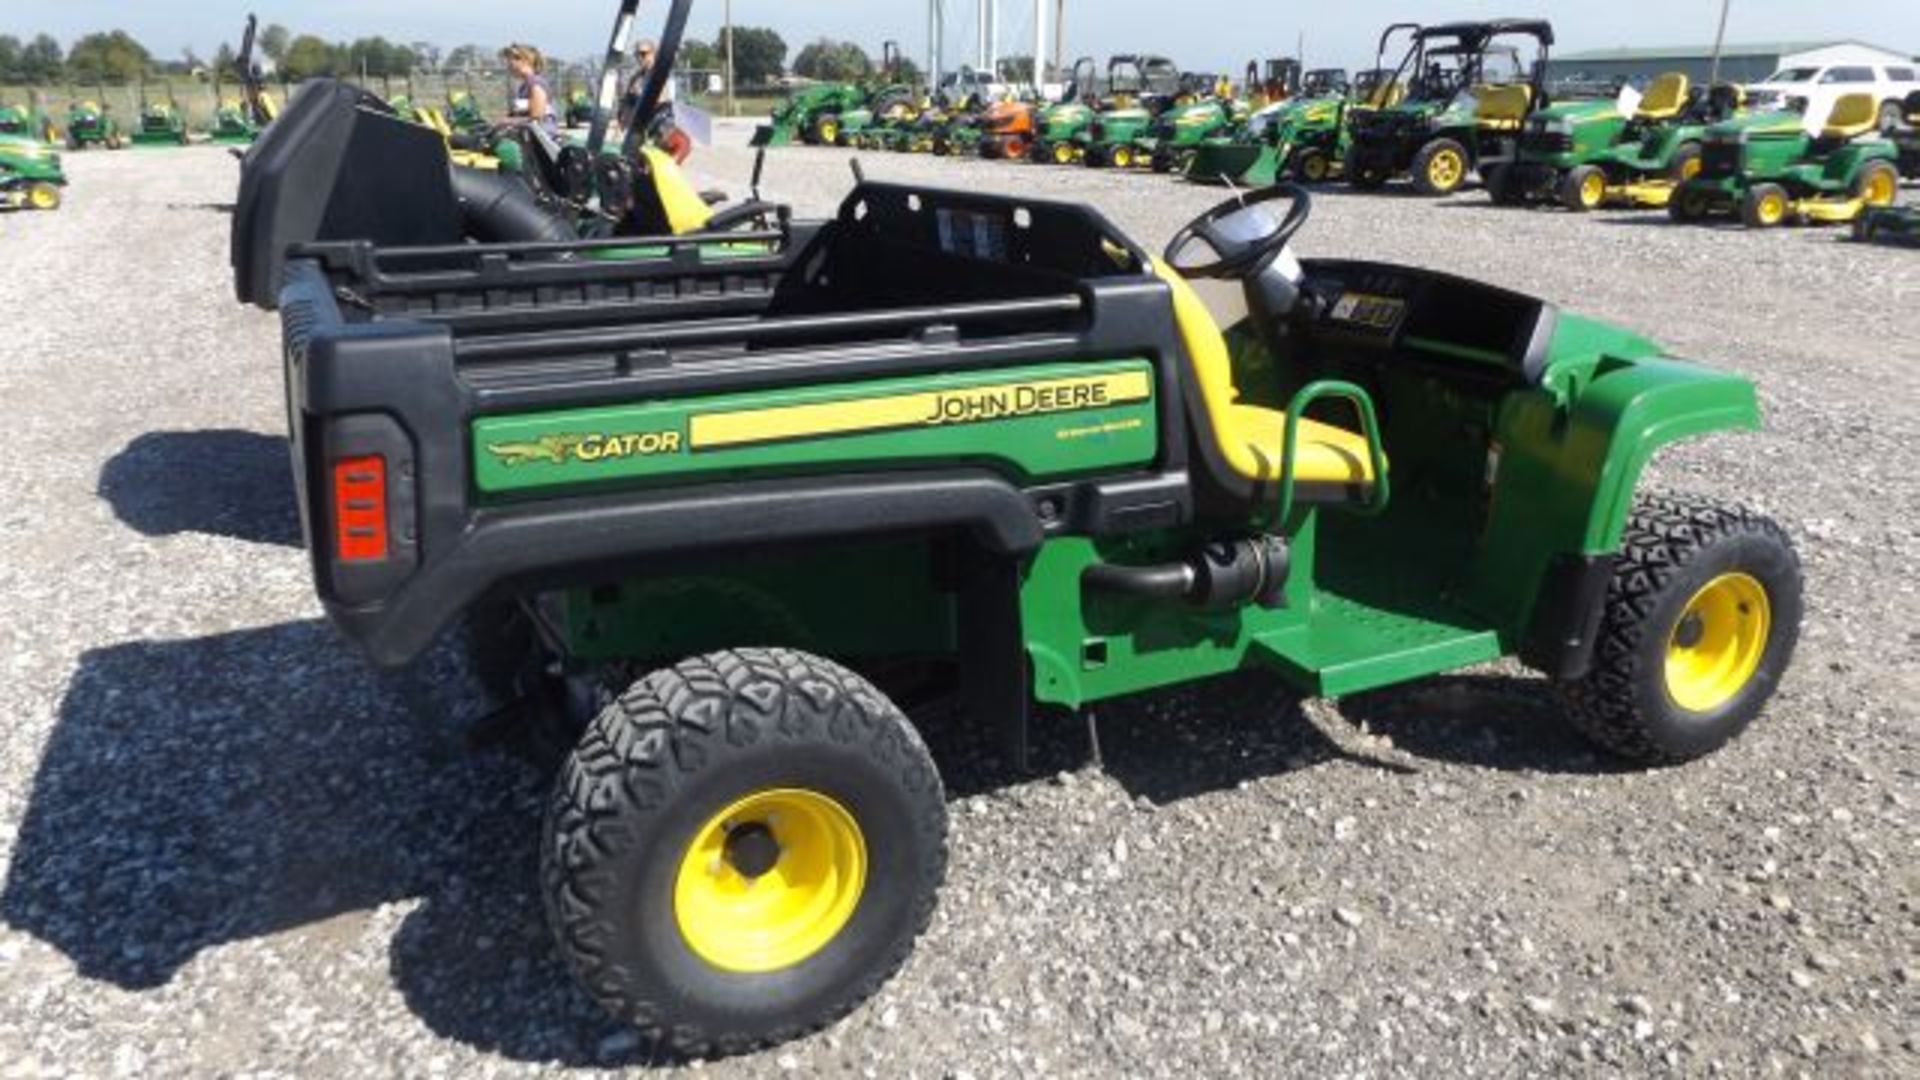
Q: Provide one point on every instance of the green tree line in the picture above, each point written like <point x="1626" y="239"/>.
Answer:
<point x="759" y="54"/>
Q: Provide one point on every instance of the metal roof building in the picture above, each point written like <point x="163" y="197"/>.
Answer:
<point x="1738" y="63"/>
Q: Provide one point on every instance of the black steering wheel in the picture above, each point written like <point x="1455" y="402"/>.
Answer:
<point x="1240" y="257"/>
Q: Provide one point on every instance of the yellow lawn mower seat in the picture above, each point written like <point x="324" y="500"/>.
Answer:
<point x="1502" y="107"/>
<point x="1665" y="98"/>
<point x="1242" y="443"/>
<point x="1853" y="115"/>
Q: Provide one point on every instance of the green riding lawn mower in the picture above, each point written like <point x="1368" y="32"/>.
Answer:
<point x="30" y="174"/>
<point x="1455" y="113"/>
<point x="1768" y="169"/>
<point x="91" y="123"/>
<point x="161" y="122"/>
<point x="1587" y="154"/>
<point x="1058" y="127"/>
<point x="1139" y="88"/>
<point x="887" y="99"/>
<point x="743" y="518"/>
<point x="28" y="121"/>
<point x="1182" y="128"/>
<point x="1300" y="136"/>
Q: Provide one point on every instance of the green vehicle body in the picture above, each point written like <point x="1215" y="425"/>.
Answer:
<point x="1571" y="452"/>
<point x="90" y="123"/>
<point x="806" y="111"/>
<point x="1279" y="142"/>
<point x="464" y="113"/>
<point x="1179" y="132"/>
<point x="28" y="121"/>
<point x="1750" y="156"/>
<point x="161" y="122"/>
<point x="1139" y="88"/>
<point x="1588" y="153"/>
<point x="30" y="174"/>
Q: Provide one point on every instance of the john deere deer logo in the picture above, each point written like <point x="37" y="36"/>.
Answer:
<point x="552" y="449"/>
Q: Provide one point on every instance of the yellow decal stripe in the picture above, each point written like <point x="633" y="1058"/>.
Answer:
<point x="927" y="408"/>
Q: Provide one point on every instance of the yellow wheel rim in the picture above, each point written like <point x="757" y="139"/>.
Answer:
<point x="1122" y="157"/>
<point x="1445" y="169"/>
<point x="1690" y="168"/>
<point x="1313" y="167"/>
<point x="1593" y="189"/>
<point x="43" y="197"/>
<point x="1773" y="209"/>
<point x="1063" y="154"/>
<point x="1715" y="647"/>
<point x="770" y="880"/>
<point x="1881" y="188"/>
<point x="829" y="132"/>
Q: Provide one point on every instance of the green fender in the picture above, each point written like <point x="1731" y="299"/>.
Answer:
<point x="1571" y="456"/>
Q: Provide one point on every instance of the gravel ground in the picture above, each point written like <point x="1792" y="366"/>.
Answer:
<point x="229" y="847"/>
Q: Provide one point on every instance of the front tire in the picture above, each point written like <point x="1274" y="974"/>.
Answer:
<point x="1583" y="189"/>
<point x="1312" y="165"/>
<point x="1363" y="172"/>
<point x="1701" y="619"/>
<point x="687" y="794"/>
<point x="1765" y="206"/>
<point x="1441" y="167"/>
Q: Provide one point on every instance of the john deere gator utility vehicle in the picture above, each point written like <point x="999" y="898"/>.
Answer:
<point x="1456" y="111"/>
<point x="746" y="513"/>
<point x="161" y="122"/>
<point x="30" y="174"/>
<point x="1767" y="169"/>
<point x="91" y="123"/>
<point x="1623" y="152"/>
<point x="1058" y="128"/>
<point x="1139" y="88"/>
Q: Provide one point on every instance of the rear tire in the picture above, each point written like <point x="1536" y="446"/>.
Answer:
<point x="1501" y="189"/>
<point x="1689" y="206"/>
<point x="1877" y="183"/>
<point x="1441" y="167"/>
<point x="1691" y="578"/>
<point x="641" y="873"/>
<point x="43" y="196"/>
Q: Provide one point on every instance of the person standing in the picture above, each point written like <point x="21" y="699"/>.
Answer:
<point x="532" y="97"/>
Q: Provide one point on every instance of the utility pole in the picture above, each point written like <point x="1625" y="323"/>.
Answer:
<point x="1719" y="38"/>
<point x="1060" y="37"/>
<point x="1039" y="50"/>
<point x="729" y="20"/>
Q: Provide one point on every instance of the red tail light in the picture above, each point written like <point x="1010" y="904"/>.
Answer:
<point x="360" y="509"/>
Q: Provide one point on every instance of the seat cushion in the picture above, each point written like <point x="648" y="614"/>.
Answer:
<point x="1323" y="453"/>
<point x="1853" y="115"/>
<point x="1665" y="98"/>
<point x="1247" y="439"/>
<point x="1501" y="107"/>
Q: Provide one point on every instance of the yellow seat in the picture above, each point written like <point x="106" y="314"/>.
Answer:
<point x="685" y="210"/>
<point x="1501" y="107"/>
<point x="1853" y="115"/>
<point x="1245" y="439"/>
<point x="1387" y="95"/>
<point x="1665" y="98"/>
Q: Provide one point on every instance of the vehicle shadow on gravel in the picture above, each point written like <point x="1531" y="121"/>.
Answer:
<point x="1487" y="721"/>
<point x="235" y="484"/>
<point x="201" y="793"/>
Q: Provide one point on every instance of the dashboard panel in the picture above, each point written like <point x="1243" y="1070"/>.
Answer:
<point x="1430" y="318"/>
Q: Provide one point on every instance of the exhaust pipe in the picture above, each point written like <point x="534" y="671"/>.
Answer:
<point x="501" y="209"/>
<point x="1223" y="575"/>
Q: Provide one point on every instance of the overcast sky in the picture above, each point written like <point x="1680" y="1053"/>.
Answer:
<point x="1199" y="34"/>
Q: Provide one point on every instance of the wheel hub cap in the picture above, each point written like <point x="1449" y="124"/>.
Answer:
<point x="1717" y="644"/>
<point x="770" y="880"/>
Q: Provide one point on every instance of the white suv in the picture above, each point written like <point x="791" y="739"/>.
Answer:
<point x="1811" y="90"/>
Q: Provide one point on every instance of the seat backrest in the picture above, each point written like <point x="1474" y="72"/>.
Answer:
<point x="1502" y="104"/>
<point x="1387" y="94"/>
<point x="1665" y="98"/>
<point x="685" y="211"/>
<point x="1853" y="115"/>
